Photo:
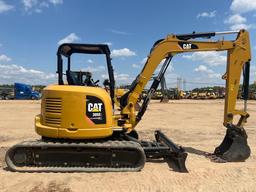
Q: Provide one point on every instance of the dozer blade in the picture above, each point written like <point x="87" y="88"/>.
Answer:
<point x="234" y="147"/>
<point x="178" y="162"/>
<point x="177" y="155"/>
<point x="165" y="148"/>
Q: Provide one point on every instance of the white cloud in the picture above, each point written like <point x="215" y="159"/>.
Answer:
<point x="203" y="68"/>
<point x="243" y="6"/>
<point x="125" y="52"/>
<point x="171" y="79"/>
<point x="16" y="73"/>
<point x="211" y="58"/>
<point x="144" y="60"/>
<point x="94" y="69"/>
<point x="4" y="7"/>
<point x="5" y="58"/>
<point x="238" y="22"/>
<point x="43" y="4"/>
<point x="90" y="61"/>
<point x="122" y="77"/>
<point x="37" y="6"/>
<point x="207" y="14"/>
<point x="118" y="32"/>
<point x="56" y="2"/>
<point x="140" y="64"/>
<point x="72" y="37"/>
<point x="104" y="76"/>
<point x="170" y="75"/>
<point x="169" y="70"/>
<point x="108" y="43"/>
<point x="242" y="26"/>
<point x="214" y="75"/>
<point x="38" y="10"/>
<point x="28" y="4"/>
<point x="136" y="66"/>
<point x="235" y="19"/>
<point x="209" y="72"/>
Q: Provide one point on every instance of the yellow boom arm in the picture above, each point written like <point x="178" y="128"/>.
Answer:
<point x="238" y="54"/>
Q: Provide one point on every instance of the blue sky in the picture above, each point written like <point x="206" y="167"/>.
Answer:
<point x="31" y="31"/>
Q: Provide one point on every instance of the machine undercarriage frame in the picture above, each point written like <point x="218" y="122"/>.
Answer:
<point x="121" y="152"/>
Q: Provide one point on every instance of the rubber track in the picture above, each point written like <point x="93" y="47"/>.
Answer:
<point x="126" y="145"/>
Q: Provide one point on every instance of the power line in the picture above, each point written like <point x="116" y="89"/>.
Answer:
<point x="205" y="83"/>
<point x="180" y="81"/>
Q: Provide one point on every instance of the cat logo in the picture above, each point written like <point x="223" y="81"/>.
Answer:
<point x="95" y="110"/>
<point x="94" y="107"/>
<point x="187" y="46"/>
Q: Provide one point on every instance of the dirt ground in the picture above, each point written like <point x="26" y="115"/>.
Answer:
<point x="196" y="125"/>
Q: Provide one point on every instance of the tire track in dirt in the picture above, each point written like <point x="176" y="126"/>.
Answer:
<point x="52" y="186"/>
<point x="2" y="156"/>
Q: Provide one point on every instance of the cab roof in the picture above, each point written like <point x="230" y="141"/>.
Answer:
<point x="68" y="49"/>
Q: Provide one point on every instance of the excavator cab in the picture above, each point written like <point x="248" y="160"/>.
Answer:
<point x="77" y="108"/>
<point x="82" y="78"/>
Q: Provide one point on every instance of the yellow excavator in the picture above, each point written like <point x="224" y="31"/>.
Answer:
<point x="82" y="131"/>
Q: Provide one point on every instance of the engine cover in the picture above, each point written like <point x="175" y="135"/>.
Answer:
<point x="75" y="112"/>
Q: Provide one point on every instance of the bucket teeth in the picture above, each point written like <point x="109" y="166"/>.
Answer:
<point x="234" y="147"/>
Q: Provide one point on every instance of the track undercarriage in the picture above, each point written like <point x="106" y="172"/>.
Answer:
<point x="125" y="154"/>
<point x="121" y="152"/>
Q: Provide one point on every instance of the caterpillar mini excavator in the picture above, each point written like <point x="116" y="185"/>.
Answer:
<point x="81" y="131"/>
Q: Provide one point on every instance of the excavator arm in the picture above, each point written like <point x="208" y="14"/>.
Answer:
<point x="234" y="146"/>
<point x="238" y="58"/>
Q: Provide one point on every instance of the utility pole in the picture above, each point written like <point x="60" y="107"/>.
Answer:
<point x="184" y="84"/>
<point x="179" y="82"/>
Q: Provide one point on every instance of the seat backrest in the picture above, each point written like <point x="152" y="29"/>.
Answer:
<point x="71" y="78"/>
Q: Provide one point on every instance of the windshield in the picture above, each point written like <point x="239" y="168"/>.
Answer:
<point x="85" y="69"/>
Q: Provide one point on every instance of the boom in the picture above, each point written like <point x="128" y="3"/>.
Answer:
<point x="238" y="58"/>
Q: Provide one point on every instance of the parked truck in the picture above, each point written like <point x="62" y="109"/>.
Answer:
<point x="19" y="91"/>
<point x="6" y="93"/>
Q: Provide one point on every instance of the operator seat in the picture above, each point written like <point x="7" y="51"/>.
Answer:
<point x="72" y="78"/>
